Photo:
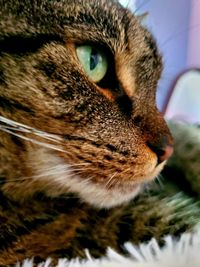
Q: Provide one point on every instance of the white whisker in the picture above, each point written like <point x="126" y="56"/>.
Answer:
<point x="35" y="141"/>
<point x="159" y="179"/>
<point x="16" y="126"/>
<point x="40" y="134"/>
<point x="80" y="164"/>
<point x="110" y="180"/>
<point x="71" y="165"/>
<point x="46" y="173"/>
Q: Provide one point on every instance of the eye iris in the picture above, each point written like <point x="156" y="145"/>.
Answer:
<point x="94" y="59"/>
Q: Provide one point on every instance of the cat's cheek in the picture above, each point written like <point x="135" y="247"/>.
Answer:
<point x="58" y="177"/>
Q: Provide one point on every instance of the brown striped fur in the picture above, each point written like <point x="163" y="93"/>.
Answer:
<point x="90" y="147"/>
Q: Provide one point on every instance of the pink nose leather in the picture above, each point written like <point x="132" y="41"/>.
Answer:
<point x="165" y="153"/>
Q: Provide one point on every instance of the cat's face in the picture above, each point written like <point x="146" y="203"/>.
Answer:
<point x="84" y="73"/>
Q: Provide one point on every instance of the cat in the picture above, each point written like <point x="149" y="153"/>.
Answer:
<point x="81" y="136"/>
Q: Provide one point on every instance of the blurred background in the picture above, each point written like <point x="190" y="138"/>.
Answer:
<point x="176" y="26"/>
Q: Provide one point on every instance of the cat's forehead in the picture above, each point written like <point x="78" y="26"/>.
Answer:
<point x="104" y="21"/>
<point x="101" y="22"/>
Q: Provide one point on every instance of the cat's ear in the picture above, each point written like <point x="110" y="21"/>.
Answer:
<point x="143" y="18"/>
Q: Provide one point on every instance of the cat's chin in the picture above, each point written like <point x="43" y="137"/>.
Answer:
<point x="101" y="197"/>
<point x="104" y="198"/>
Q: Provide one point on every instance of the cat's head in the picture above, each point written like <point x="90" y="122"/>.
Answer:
<point x="80" y="77"/>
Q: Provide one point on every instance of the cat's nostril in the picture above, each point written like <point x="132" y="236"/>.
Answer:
<point x="163" y="153"/>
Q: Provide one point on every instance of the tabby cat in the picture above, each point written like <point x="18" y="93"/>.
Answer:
<point x="80" y="133"/>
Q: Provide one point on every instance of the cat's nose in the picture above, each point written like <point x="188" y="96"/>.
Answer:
<point x="163" y="150"/>
<point x="164" y="153"/>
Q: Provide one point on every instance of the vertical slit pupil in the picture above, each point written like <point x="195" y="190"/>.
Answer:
<point x="94" y="59"/>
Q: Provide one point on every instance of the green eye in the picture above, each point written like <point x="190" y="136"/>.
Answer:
<point x="93" y="61"/>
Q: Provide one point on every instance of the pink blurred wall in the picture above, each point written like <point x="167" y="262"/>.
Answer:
<point x="176" y="26"/>
<point x="193" y="55"/>
<point x="169" y="20"/>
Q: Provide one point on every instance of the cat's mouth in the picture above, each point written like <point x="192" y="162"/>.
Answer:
<point x="115" y="190"/>
<point x="101" y="193"/>
<point x="102" y="196"/>
<point x="120" y="192"/>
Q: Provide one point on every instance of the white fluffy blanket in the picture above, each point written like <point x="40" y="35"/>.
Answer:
<point x="183" y="252"/>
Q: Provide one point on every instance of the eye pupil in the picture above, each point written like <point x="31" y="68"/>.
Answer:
<point x="94" y="59"/>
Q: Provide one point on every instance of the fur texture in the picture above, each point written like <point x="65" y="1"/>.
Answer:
<point x="183" y="252"/>
<point x="108" y="128"/>
<point x="73" y="152"/>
